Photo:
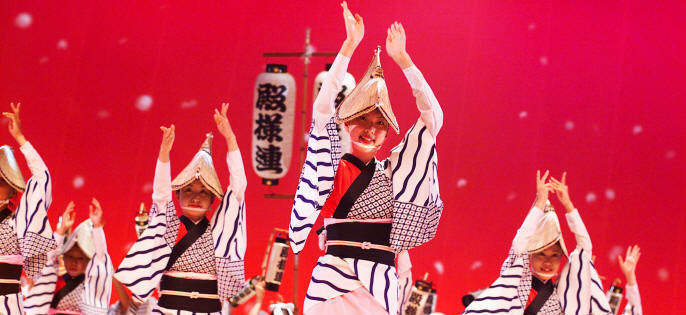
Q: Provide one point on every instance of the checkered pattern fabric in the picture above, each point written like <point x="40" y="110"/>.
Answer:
<point x="9" y="245"/>
<point x="199" y="257"/>
<point x="332" y="130"/>
<point x="73" y="300"/>
<point x="230" y="276"/>
<point x="376" y="201"/>
<point x="413" y="225"/>
<point x="172" y="223"/>
<point x="35" y="247"/>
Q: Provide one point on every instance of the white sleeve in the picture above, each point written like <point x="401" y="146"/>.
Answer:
<point x="576" y="225"/>
<point x="324" y="104"/>
<point x="238" y="181"/>
<point x="162" y="193"/>
<point x="429" y="108"/>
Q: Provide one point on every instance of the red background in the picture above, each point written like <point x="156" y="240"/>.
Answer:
<point x="594" y="88"/>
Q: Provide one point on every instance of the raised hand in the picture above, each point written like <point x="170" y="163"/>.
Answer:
<point x="396" y="45"/>
<point x="542" y="189"/>
<point x="354" y="30"/>
<point x="222" y="121"/>
<point x="167" y="142"/>
<point x="628" y="264"/>
<point x="562" y="192"/>
<point x="95" y="213"/>
<point x="14" y="125"/>
<point x="224" y="127"/>
<point x="67" y="219"/>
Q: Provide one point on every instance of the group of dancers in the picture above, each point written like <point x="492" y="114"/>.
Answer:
<point x="374" y="211"/>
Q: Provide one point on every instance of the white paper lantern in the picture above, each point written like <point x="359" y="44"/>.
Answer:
<point x="346" y="88"/>
<point x="272" y="139"/>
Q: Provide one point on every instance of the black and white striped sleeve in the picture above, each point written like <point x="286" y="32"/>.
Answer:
<point x="31" y="220"/>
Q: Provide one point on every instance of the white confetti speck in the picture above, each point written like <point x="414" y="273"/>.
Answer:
<point x="637" y="129"/>
<point x="144" y="102"/>
<point x="614" y="252"/>
<point x="189" y="104"/>
<point x="147" y="187"/>
<point x="523" y="114"/>
<point x="532" y="26"/>
<point x="44" y="59"/>
<point x="590" y="197"/>
<point x="543" y="60"/>
<point x="610" y="194"/>
<point x="569" y="125"/>
<point x="78" y="182"/>
<point x="670" y="154"/>
<point x="439" y="267"/>
<point x="663" y="274"/>
<point x="102" y="114"/>
<point x="23" y="20"/>
<point x="476" y="265"/>
<point x="62" y="44"/>
<point x="511" y="196"/>
<point x="461" y="183"/>
<point x="123" y="40"/>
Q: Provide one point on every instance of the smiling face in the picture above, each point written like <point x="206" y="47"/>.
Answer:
<point x="195" y="199"/>
<point x="75" y="261"/>
<point x="546" y="263"/>
<point x="367" y="133"/>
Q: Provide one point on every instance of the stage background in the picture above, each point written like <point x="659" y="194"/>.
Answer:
<point x="593" y="88"/>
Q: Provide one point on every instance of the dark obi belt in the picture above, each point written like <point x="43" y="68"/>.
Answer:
<point x="9" y="278"/>
<point x="372" y="241"/>
<point x="191" y="295"/>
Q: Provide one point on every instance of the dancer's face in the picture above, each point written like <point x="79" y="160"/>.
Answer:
<point x="367" y="132"/>
<point x="195" y="199"/>
<point x="75" y="261"/>
<point x="546" y="263"/>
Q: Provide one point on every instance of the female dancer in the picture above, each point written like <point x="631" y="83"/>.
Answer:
<point x="25" y="234"/>
<point x="373" y="209"/>
<point x="529" y="281"/>
<point x="197" y="263"/>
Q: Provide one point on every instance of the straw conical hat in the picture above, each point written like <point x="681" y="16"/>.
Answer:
<point x="202" y="168"/>
<point x="9" y="169"/>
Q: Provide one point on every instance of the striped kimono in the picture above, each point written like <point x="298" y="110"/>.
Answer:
<point x="218" y="252"/>
<point x="26" y="235"/>
<point x="403" y="191"/>
<point x="578" y="291"/>
<point x="92" y="296"/>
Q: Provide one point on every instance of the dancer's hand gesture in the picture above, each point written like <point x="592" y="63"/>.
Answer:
<point x="95" y="213"/>
<point x="542" y="189"/>
<point x="14" y="125"/>
<point x="224" y="127"/>
<point x="562" y="192"/>
<point x="396" y="45"/>
<point x="628" y="264"/>
<point x="67" y="219"/>
<point x="167" y="142"/>
<point x="354" y="30"/>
